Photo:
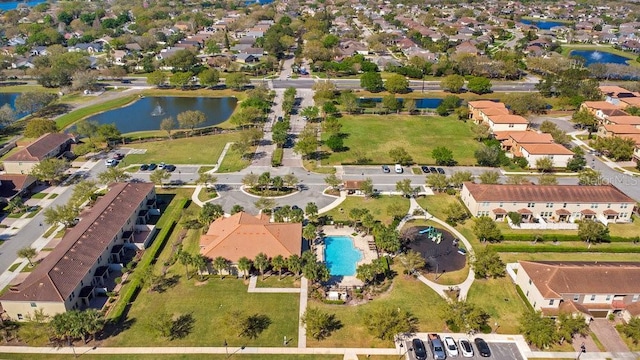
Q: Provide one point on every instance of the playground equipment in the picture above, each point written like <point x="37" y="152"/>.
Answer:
<point x="432" y="234"/>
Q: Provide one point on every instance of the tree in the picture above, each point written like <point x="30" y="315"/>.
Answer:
<point x="244" y="265"/>
<point x="206" y="178"/>
<point x="168" y="124"/>
<point x="191" y="118"/>
<point x="590" y="177"/>
<point x="311" y="112"/>
<point x="50" y="170"/>
<point x="387" y="238"/>
<point x="159" y="176"/>
<point x="261" y="263"/>
<point x="411" y="261"/>
<point x="320" y="324"/>
<point x="371" y="81"/>
<point x="391" y="103"/>
<point x="584" y="118"/>
<point x="157" y="78"/>
<point x="489" y="177"/>
<point x="396" y="210"/>
<point x="61" y="214"/>
<point x="452" y="83"/>
<point x="576" y="163"/>
<point x="15" y="205"/>
<point x="182" y="60"/>
<point x="460" y="177"/>
<point x="7" y="115"/>
<point x="443" y="156"/>
<point x="278" y="263"/>
<point x="113" y="175"/>
<point x="307" y="142"/>
<point x="547" y="179"/>
<point x="397" y="84"/>
<point x="386" y="322"/>
<point x="569" y="325"/>
<point x="221" y="264"/>
<point x="487" y="263"/>
<point x="31" y="102"/>
<point x="27" y="253"/>
<point x="209" y="213"/>
<point x="294" y="264"/>
<point x="265" y="204"/>
<point x="349" y="101"/>
<point x="524" y="103"/>
<point x="38" y="127"/>
<point x="517" y="179"/>
<point x="83" y="191"/>
<point x="409" y="105"/>
<point x="486" y="229"/>
<point x="456" y="212"/>
<point x="185" y="259"/>
<point x="333" y="181"/>
<point x="87" y="128"/>
<point x="108" y="132"/>
<point x="366" y="187"/>
<point x="632" y="329"/>
<point x="315" y="271"/>
<point x="209" y="77"/>
<point x="309" y="232"/>
<point x="537" y="329"/>
<point x="311" y="210"/>
<point x="236" y="81"/>
<point x="200" y="263"/>
<point x="181" y="79"/>
<point x="618" y="148"/>
<point x="400" y="156"/>
<point x="250" y="180"/>
<point x="438" y="182"/>
<point x="404" y="187"/>
<point x="479" y="85"/>
<point x="544" y="164"/>
<point x="290" y="180"/>
<point x="464" y="316"/>
<point x="593" y="231"/>
<point x="480" y="131"/>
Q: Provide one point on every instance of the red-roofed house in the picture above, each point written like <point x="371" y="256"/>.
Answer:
<point x="507" y="123"/>
<point x="476" y="106"/>
<point x="558" y="154"/>
<point x="46" y="146"/>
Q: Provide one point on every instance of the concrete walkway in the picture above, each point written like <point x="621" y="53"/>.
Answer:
<point x="335" y="203"/>
<point x="302" y="329"/>
<point x="196" y="192"/>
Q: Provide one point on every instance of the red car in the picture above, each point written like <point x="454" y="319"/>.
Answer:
<point x="118" y="156"/>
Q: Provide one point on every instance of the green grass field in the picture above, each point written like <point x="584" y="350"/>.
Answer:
<point x="377" y="207"/>
<point x="375" y="135"/>
<point x="499" y="299"/>
<point x="68" y="119"/>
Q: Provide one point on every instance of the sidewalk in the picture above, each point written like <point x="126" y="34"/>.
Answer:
<point x="199" y="187"/>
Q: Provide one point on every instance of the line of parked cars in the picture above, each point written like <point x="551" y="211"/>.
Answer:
<point x="161" y="166"/>
<point x="448" y="347"/>
<point x="432" y="170"/>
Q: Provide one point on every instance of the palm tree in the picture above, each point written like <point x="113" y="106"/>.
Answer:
<point x="411" y="261"/>
<point x="277" y="182"/>
<point x="15" y="205"/>
<point x="27" y="253"/>
<point x="294" y="264"/>
<point x="93" y="321"/>
<point x="311" y="211"/>
<point x="244" y="265"/>
<point x="220" y="264"/>
<point x="264" y="180"/>
<point x="309" y="232"/>
<point x="185" y="259"/>
<point x="262" y="263"/>
<point x="200" y="262"/>
<point x="278" y="263"/>
<point x="365" y="272"/>
<point x="290" y="180"/>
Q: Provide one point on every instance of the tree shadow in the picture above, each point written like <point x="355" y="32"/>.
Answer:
<point x="254" y="325"/>
<point x="165" y="283"/>
<point x="182" y="326"/>
<point x="114" y="328"/>
<point x="54" y="110"/>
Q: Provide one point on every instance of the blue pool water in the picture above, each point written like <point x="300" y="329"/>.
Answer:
<point x="427" y="103"/>
<point x="593" y="57"/>
<point x="341" y="255"/>
<point x="542" y="24"/>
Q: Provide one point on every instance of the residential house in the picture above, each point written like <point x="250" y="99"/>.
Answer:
<point x="476" y="106"/>
<point x="466" y="47"/>
<point x="94" y="47"/>
<point x="594" y="289"/>
<point x="622" y="120"/>
<point x="558" y="154"/>
<point x="629" y="101"/>
<point x="47" y="146"/>
<point x="246" y="58"/>
<point x="75" y="273"/>
<point x="507" y="123"/>
<point x="512" y="141"/>
<point x="554" y="203"/>
<point x="12" y="185"/>
<point x="594" y="106"/>
<point x="617" y="130"/>
<point x="245" y="235"/>
<point x="604" y="114"/>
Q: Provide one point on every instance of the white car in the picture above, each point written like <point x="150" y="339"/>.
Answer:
<point x="111" y="162"/>
<point x="465" y="348"/>
<point x="450" y="345"/>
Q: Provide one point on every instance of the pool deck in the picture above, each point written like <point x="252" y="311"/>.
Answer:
<point x="360" y="241"/>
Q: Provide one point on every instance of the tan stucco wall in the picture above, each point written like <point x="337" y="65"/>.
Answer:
<point x="14" y="167"/>
<point x="24" y="308"/>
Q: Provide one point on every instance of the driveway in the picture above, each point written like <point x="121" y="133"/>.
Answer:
<point x="608" y="335"/>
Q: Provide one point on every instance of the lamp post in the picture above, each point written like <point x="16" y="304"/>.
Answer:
<point x="497" y="326"/>
<point x="583" y="349"/>
<point x="405" y="352"/>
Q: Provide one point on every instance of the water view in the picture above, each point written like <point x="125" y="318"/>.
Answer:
<point x="341" y="255"/>
<point x="10" y="5"/>
<point x="542" y="24"/>
<point x="430" y="103"/>
<point x="10" y="98"/>
<point x="595" y="57"/>
<point x="147" y="113"/>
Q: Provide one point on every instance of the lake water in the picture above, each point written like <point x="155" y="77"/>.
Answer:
<point x="542" y="24"/>
<point x="10" y="98"/>
<point x="430" y="103"/>
<point x="146" y="114"/>
<point x="594" y="57"/>
<point x="10" y="5"/>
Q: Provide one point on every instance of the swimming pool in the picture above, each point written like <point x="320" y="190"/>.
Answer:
<point x="341" y="255"/>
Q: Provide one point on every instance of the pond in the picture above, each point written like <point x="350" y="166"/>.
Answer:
<point x="543" y="24"/>
<point x="430" y="103"/>
<point x="146" y="113"/>
<point x="594" y="57"/>
<point x="10" y="5"/>
<point x="10" y="98"/>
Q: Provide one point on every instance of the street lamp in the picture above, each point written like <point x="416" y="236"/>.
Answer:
<point x="226" y="347"/>
<point x="497" y="326"/>
<point x="583" y="349"/>
<point x="406" y="351"/>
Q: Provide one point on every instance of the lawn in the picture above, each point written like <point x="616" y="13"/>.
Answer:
<point x="234" y="161"/>
<point x="375" y="135"/>
<point x="377" y="207"/>
<point x="193" y="150"/>
<point x="206" y="194"/>
<point x="273" y="281"/>
<point x="68" y="119"/>
<point x="498" y="297"/>
<point x="405" y="293"/>
<point x="436" y="204"/>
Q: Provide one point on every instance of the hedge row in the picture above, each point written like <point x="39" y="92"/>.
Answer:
<point x="562" y="249"/>
<point x="166" y="224"/>
<point x="558" y="237"/>
<point x="276" y="157"/>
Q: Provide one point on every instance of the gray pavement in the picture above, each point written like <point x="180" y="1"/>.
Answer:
<point x="608" y="335"/>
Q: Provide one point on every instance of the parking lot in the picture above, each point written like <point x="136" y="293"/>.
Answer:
<point x="499" y="351"/>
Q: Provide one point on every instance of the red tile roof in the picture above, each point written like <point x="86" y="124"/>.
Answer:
<point x="546" y="149"/>
<point x="43" y="145"/>
<point x="11" y="184"/>
<point x="531" y="137"/>
<point x="508" y="119"/>
<point x="61" y="271"/>
<point x="484" y="104"/>
<point x="547" y="193"/>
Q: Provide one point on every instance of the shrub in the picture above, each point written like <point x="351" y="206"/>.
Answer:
<point x="563" y="249"/>
<point x="276" y="157"/>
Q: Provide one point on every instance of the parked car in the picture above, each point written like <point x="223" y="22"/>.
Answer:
<point x="162" y="165"/>
<point x="440" y="171"/>
<point x="385" y="169"/>
<point x="462" y="251"/>
<point x="425" y="169"/>
<point x="125" y="81"/>
<point x="280" y="118"/>
<point x="118" y="156"/>
<point x="33" y="208"/>
<point x="399" y="169"/>
<point x="169" y="168"/>
<point x="432" y="169"/>
<point x="144" y="167"/>
<point x="483" y="347"/>
<point x="437" y="347"/>
<point x="450" y="345"/>
<point x="418" y="349"/>
<point x="465" y="348"/>
<point x="111" y="162"/>
<point x="152" y="166"/>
